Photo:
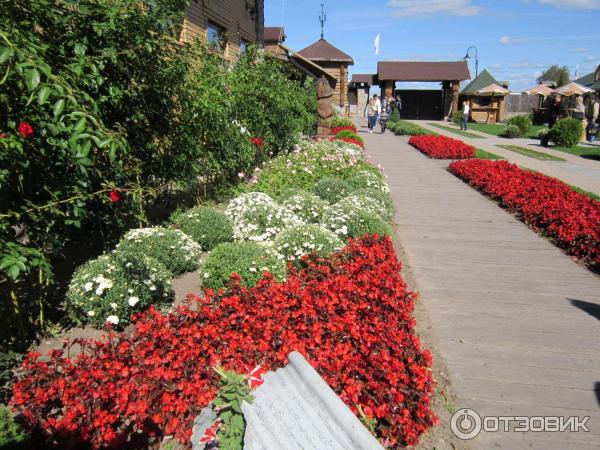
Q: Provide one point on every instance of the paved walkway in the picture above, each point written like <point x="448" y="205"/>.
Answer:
<point x="575" y="170"/>
<point x="518" y="322"/>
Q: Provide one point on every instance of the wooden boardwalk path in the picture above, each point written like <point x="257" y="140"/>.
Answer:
<point x="517" y="321"/>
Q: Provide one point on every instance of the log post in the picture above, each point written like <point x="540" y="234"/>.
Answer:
<point x="325" y="108"/>
<point x="455" y="92"/>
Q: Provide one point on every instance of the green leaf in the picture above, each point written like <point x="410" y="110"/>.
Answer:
<point x="58" y="107"/>
<point x="13" y="272"/>
<point x="32" y="78"/>
<point x="80" y="125"/>
<point x="43" y="95"/>
<point x="5" y="53"/>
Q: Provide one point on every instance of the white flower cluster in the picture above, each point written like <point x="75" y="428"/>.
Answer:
<point x="306" y="205"/>
<point x="358" y="202"/>
<point x="190" y="248"/>
<point x="294" y="243"/>
<point x="257" y="217"/>
<point x="111" y="287"/>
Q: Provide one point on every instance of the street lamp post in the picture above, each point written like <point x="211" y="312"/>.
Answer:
<point x="467" y="57"/>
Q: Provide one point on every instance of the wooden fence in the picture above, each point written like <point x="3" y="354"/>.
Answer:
<point x="520" y="103"/>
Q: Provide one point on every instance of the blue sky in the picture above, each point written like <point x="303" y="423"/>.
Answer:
<point x="516" y="39"/>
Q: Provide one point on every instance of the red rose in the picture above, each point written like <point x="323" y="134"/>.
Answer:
<point x="25" y="129"/>
<point x="258" y="142"/>
<point x="115" y="196"/>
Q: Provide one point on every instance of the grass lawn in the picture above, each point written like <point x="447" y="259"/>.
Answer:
<point x="580" y="150"/>
<point x="454" y="130"/>
<point x="496" y="129"/>
<point x="531" y="153"/>
<point x="482" y="154"/>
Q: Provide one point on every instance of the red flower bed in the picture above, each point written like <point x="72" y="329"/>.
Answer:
<point x="350" y="315"/>
<point x="336" y="130"/>
<point x="548" y="205"/>
<point x="442" y="147"/>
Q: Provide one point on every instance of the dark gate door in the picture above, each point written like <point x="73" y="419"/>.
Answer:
<point x="421" y="105"/>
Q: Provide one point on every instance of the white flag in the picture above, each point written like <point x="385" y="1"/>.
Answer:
<point x="377" y="43"/>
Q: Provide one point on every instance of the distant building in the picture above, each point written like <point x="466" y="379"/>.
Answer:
<point x="335" y="62"/>
<point x="591" y="80"/>
<point x="486" y="97"/>
<point x="274" y="36"/>
<point x="229" y="26"/>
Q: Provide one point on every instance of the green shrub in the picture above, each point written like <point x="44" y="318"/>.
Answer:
<point x="511" y="131"/>
<point x="332" y="189"/>
<point x="114" y="286"/>
<point x="365" y="180"/>
<point x="207" y="226"/>
<point x="347" y="134"/>
<point x="306" y="205"/>
<point x="9" y="361"/>
<point x="384" y="199"/>
<point x="248" y="259"/>
<point x="408" y="129"/>
<point x="341" y="122"/>
<point x="457" y="117"/>
<point x="12" y="434"/>
<point x="348" y="222"/>
<point x="177" y="251"/>
<point x="310" y="162"/>
<point x="395" y="117"/>
<point x="289" y="192"/>
<point x="566" y="132"/>
<point x="522" y="122"/>
<point x="295" y="242"/>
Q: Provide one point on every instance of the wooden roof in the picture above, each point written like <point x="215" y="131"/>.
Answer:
<point x="423" y="71"/>
<point x="274" y="35"/>
<point x="591" y="80"/>
<point x="492" y="90"/>
<point x="573" y="89"/>
<point x="363" y="78"/>
<point x="483" y="79"/>
<point x="323" y="51"/>
<point x="540" y="89"/>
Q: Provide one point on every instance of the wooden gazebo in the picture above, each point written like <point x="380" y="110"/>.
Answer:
<point x="486" y="98"/>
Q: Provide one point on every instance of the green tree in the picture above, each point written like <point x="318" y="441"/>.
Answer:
<point x="560" y="75"/>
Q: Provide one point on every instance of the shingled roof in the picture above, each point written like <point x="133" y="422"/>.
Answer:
<point x="483" y="79"/>
<point x="591" y="80"/>
<point x="423" y="71"/>
<point x="324" y="51"/>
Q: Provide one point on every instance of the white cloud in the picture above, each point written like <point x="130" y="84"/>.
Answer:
<point x="580" y="50"/>
<point x="573" y="4"/>
<point x="591" y="58"/>
<point x="427" y="8"/>
<point x="520" y="64"/>
<point x="507" y="40"/>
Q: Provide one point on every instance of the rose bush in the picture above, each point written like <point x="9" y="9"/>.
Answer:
<point x="442" y="147"/>
<point x="350" y="315"/>
<point x="547" y="205"/>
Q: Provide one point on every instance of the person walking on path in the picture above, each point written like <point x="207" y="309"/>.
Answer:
<point x="464" y="120"/>
<point x="373" y="110"/>
<point x="386" y="110"/>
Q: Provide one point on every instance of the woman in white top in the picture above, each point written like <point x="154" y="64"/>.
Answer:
<point x="373" y="110"/>
<point x="465" y="115"/>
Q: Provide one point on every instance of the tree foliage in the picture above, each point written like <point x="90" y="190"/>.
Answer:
<point x="103" y="111"/>
<point x="560" y="75"/>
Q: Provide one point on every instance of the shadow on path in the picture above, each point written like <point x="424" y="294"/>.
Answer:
<point x="591" y="308"/>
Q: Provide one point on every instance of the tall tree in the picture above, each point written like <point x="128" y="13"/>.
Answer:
<point x="560" y="75"/>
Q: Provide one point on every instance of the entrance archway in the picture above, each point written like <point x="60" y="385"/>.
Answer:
<point x="424" y="104"/>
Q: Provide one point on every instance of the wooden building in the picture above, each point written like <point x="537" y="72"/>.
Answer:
<point x="591" y="80"/>
<point x="227" y="25"/>
<point x="486" y="98"/>
<point x="273" y="37"/>
<point x="335" y="62"/>
<point x="359" y="92"/>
